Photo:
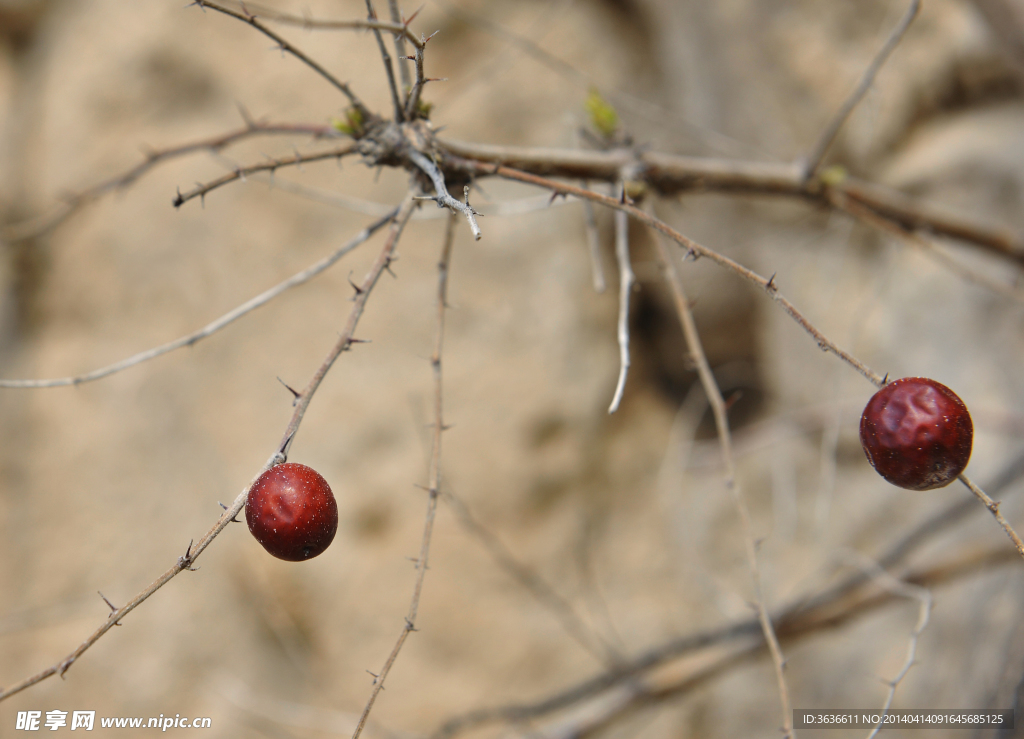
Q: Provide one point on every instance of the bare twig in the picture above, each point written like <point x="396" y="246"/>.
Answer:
<point x="72" y="204"/>
<point x="593" y="243"/>
<point x="389" y="68"/>
<point x="396" y="27"/>
<point x="718" y="408"/>
<point x="563" y="610"/>
<point x="193" y="552"/>
<point x="626" y="282"/>
<point x="200" y="190"/>
<point x="213" y="327"/>
<point x="924" y="598"/>
<point x="434" y="476"/>
<point x="443" y="198"/>
<point x="814" y="159"/>
<point x="692" y="247"/>
<point x="298" y="54"/>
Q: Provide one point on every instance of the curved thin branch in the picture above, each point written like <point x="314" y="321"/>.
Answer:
<point x="214" y="326"/>
<point x="35" y="227"/>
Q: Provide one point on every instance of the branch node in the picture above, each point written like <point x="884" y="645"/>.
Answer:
<point x="233" y="520"/>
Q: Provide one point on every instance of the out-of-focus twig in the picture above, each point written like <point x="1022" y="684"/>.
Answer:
<point x="720" y="412"/>
<point x="814" y="159"/>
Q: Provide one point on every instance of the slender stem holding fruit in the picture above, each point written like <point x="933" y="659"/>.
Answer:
<point x="720" y="411"/>
<point x="692" y="247"/>
<point x="434" y="476"/>
<point x="213" y="327"/>
<point x="359" y="304"/>
<point x="993" y="508"/>
<point x="302" y="403"/>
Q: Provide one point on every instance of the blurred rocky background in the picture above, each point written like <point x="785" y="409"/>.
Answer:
<point x="625" y="517"/>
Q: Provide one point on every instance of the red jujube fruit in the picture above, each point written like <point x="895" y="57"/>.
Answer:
<point x="292" y="512"/>
<point x="917" y="433"/>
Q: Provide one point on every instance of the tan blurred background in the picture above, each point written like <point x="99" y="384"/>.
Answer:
<point x="103" y="485"/>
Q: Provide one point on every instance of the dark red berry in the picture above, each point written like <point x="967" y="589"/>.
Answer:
<point x="292" y="512"/>
<point x="917" y="433"/>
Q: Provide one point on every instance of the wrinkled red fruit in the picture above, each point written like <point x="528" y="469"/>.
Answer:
<point x="292" y="512"/>
<point x="917" y="433"/>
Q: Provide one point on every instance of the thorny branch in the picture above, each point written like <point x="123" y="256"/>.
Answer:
<point x="193" y="552"/>
<point x="434" y="476"/>
<point x="769" y="286"/>
<point x="200" y="190"/>
<point x="246" y="17"/>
